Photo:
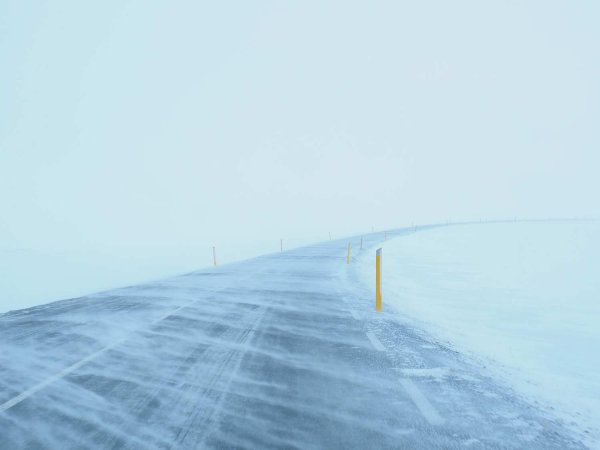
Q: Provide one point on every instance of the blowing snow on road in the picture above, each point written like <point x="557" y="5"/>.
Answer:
<point x="284" y="350"/>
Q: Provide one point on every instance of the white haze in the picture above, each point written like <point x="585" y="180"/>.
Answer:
<point x="149" y="130"/>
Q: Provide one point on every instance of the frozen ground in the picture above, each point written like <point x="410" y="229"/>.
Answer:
<point x="522" y="298"/>
<point x="283" y="350"/>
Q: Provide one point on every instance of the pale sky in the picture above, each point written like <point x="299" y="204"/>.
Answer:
<point x="172" y="122"/>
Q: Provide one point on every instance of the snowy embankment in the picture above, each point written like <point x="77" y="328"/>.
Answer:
<point x="524" y="298"/>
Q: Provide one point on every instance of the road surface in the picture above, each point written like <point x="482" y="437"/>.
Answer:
<point x="281" y="351"/>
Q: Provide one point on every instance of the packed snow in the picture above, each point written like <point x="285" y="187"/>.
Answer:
<point x="523" y="298"/>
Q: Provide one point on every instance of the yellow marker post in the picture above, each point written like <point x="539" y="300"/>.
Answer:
<point x="348" y="257"/>
<point x="214" y="256"/>
<point x="378" y="280"/>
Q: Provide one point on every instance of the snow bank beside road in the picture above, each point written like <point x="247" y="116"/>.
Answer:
<point x="523" y="296"/>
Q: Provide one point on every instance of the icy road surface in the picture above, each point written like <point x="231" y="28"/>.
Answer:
<point x="281" y="351"/>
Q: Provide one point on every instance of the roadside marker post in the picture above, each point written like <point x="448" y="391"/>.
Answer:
<point x="214" y="256"/>
<point x="348" y="257"/>
<point x="361" y="242"/>
<point x="378" y="280"/>
<point x="281" y="244"/>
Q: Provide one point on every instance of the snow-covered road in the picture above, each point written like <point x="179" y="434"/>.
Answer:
<point x="284" y="350"/>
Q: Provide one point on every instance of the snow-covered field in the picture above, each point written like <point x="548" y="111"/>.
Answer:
<point x="523" y="298"/>
<point x="30" y="277"/>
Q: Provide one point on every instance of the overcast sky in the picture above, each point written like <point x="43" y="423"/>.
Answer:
<point x="170" y="122"/>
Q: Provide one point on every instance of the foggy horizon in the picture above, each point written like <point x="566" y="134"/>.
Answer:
<point x="144" y="124"/>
